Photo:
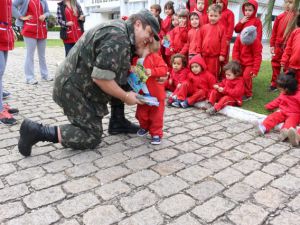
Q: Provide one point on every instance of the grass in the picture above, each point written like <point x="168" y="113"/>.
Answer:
<point x="50" y="43"/>
<point x="261" y="96"/>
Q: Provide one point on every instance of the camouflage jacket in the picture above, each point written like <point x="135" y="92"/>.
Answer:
<point x="103" y="52"/>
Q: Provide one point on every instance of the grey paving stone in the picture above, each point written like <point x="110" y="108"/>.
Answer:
<point x="270" y="197"/>
<point x="274" y="169"/>
<point x="186" y="220"/>
<point x="176" y="205"/>
<point x="226" y="144"/>
<point x="57" y="165"/>
<point x="286" y="218"/>
<point x="295" y="152"/>
<point x="43" y="216"/>
<point x="7" y="169"/>
<point x="222" y="221"/>
<point x="242" y="137"/>
<point x="69" y="222"/>
<point x="263" y="157"/>
<point x="1" y="184"/>
<point x="248" y="214"/>
<point x="44" y="197"/>
<point x="220" y="135"/>
<point x="257" y="179"/>
<point x="262" y="141"/>
<point x="80" y="185"/>
<point x="247" y="166"/>
<point x="189" y="158"/>
<point x="63" y="153"/>
<point x="239" y="129"/>
<point x="167" y="186"/>
<point x="187" y="146"/>
<point x="168" y="167"/>
<point x="138" y="201"/>
<point x="112" y="139"/>
<point x="102" y="215"/>
<point x="10" y="210"/>
<point x="134" y="142"/>
<point x="141" y="150"/>
<point x="216" y="163"/>
<point x="85" y="157"/>
<point x="148" y="216"/>
<point x="163" y="155"/>
<point x="239" y="192"/>
<point x="288" y="160"/>
<point x="34" y="161"/>
<point x="205" y="190"/>
<point x="141" y="177"/>
<point x="178" y="130"/>
<point x="288" y="184"/>
<point x="295" y="171"/>
<point x="204" y="140"/>
<point x="194" y="173"/>
<point x="112" y="173"/>
<point x="77" y="205"/>
<point x="25" y="175"/>
<point x="208" y="151"/>
<point x="234" y="155"/>
<point x="277" y="149"/>
<point x="213" y="208"/>
<point x="48" y="181"/>
<point x="228" y="176"/>
<point x="112" y="190"/>
<point x="111" y="160"/>
<point x="113" y="149"/>
<point x="198" y="132"/>
<point x="140" y="163"/>
<point x="249" y="148"/>
<point x="295" y="203"/>
<point x="13" y="192"/>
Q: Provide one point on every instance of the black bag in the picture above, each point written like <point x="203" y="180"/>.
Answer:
<point x="63" y="33"/>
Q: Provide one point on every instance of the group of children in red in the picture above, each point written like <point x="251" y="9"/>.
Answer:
<point x="194" y="54"/>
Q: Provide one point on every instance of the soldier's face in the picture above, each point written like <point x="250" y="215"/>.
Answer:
<point x="142" y="36"/>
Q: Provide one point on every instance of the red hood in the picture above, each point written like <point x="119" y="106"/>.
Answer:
<point x="206" y="5"/>
<point x="198" y="59"/>
<point x="225" y="4"/>
<point x="199" y="16"/>
<point x="252" y="2"/>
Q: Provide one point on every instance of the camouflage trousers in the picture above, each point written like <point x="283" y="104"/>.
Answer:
<point x="85" y="128"/>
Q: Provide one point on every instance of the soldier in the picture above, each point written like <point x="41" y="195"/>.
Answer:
<point x="91" y="76"/>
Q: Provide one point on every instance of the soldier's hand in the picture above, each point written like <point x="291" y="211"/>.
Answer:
<point x="130" y="98"/>
<point x="70" y="23"/>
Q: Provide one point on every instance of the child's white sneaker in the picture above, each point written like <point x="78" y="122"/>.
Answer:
<point x="260" y="128"/>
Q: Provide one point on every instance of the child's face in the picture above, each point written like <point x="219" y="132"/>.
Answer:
<point x="177" y="64"/>
<point x="194" y="21"/>
<point x="289" y="5"/>
<point x="154" y="12"/>
<point x="281" y="90"/>
<point x="213" y="17"/>
<point x="220" y="3"/>
<point x="249" y="10"/>
<point x="200" y="5"/>
<point x="175" y="21"/>
<point x="196" y="68"/>
<point x="168" y="11"/>
<point x="229" y="75"/>
<point x="182" y="21"/>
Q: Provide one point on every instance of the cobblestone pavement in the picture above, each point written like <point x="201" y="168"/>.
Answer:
<point x="208" y="170"/>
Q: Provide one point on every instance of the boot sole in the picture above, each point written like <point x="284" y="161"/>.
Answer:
<point x="23" y="149"/>
<point x="293" y="137"/>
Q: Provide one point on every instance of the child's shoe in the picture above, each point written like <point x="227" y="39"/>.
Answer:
<point x="206" y="105"/>
<point x="211" y="111"/>
<point x="5" y="94"/>
<point x="176" y="104"/>
<point x="283" y="134"/>
<point x="13" y="111"/>
<point x="184" y="104"/>
<point x="155" y="140"/>
<point x="142" y="132"/>
<point x="6" y="118"/>
<point x="260" y="129"/>
<point x="293" y="136"/>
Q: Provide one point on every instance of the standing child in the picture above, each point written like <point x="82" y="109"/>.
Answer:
<point x="290" y="58"/>
<point x="166" y="24"/>
<point x="288" y="104"/>
<point x="249" y="9"/>
<point x="212" y="41"/>
<point x="197" y="86"/>
<point x="166" y="40"/>
<point x="151" y="117"/>
<point x="156" y="10"/>
<point x="230" y="91"/>
<point x="247" y="50"/>
<point x="278" y="39"/>
<point x="202" y="6"/>
<point x="191" y="5"/>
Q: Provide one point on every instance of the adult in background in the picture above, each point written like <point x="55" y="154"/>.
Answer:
<point x="30" y="16"/>
<point x="94" y="73"/>
<point x="70" y="17"/>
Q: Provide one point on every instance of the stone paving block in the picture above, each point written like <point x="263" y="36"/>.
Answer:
<point x="10" y="210"/>
<point x="240" y="128"/>
<point x="10" y="158"/>
<point x="216" y="163"/>
<point x="270" y="197"/>
<point x="138" y="201"/>
<point x="204" y="140"/>
<point x="205" y="190"/>
<point x="3" y="152"/>
<point x="262" y="141"/>
<point x="44" y="197"/>
<point x="8" y="142"/>
<point x="288" y="160"/>
<point x="288" y="184"/>
<point x="178" y="130"/>
<point x="198" y="132"/>
<point x="112" y="190"/>
<point x="77" y="205"/>
<point x="143" y="177"/>
<point x="228" y="176"/>
<point x="222" y="221"/>
<point x="220" y="135"/>
<point x="168" y="167"/>
<point x="295" y="203"/>
<point x="189" y="158"/>
<point x="43" y="216"/>
<point x="70" y="222"/>
<point x="139" y="151"/>
<point x="165" y="143"/>
<point x="194" y="173"/>
<point x="187" y="146"/>
<point x="148" y="216"/>
<point x="213" y="208"/>
<point x="7" y="169"/>
<point x="208" y="152"/>
<point x="85" y="157"/>
<point x="111" y="174"/>
<point x="140" y="163"/>
<point x="286" y="218"/>
<point x="80" y="185"/>
<point x="163" y="155"/>
<point x="34" y="161"/>
<point x="213" y="128"/>
<point x="112" y="139"/>
<point x="226" y="144"/>
<point x="248" y="214"/>
<point x="263" y="157"/>
<point x="81" y="170"/>
<point x="48" y="181"/>
<point x="134" y="142"/>
<point x="239" y="192"/>
<point x="277" y="149"/>
<point x="295" y="171"/>
<point x="249" y="148"/>
<point x="180" y="138"/>
<point x="113" y="149"/>
<point x="247" y="166"/>
<point x="186" y="220"/>
<point x="103" y="215"/>
<point x="167" y="186"/>
<point x="257" y="179"/>
<point x="234" y="155"/>
<point x="274" y="169"/>
<point x="57" y="165"/>
<point x="64" y="153"/>
<point x="242" y="137"/>
<point x="43" y="150"/>
<point x="111" y="160"/>
<point x="295" y="152"/>
<point x="177" y="204"/>
<point x="25" y="175"/>
<point x="1" y="184"/>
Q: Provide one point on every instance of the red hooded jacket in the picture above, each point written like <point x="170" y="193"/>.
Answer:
<point x="178" y="38"/>
<point x="192" y="5"/>
<point x="6" y="31"/>
<point x="253" y="20"/>
<point x="248" y="55"/>
<point x="233" y="88"/>
<point x="165" y="26"/>
<point x="288" y="104"/>
<point x="227" y="20"/>
<point x="179" y="76"/>
<point x="290" y="57"/>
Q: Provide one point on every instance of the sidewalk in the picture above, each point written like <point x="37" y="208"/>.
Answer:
<point x="208" y="170"/>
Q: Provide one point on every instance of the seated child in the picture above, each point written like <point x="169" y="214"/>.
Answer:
<point x="287" y="107"/>
<point x="230" y="91"/>
<point x="197" y="86"/>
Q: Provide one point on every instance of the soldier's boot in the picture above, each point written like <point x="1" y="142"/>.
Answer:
<point x="32" y="132"/>
<point x="118" y="123"/>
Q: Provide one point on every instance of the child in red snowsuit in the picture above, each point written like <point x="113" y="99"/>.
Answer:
<point x="166" y="24"/>
<point x="202" y="6"/>
<point x="247" y="50"/>
<point x="288" y="104"/>
<point x="278" y="39"/>
<point x="166" y="41"/>
<point x="151" y="117"/>
<point x="249" y="9"/>
<point x="290" y="58"/>
<point x="191" y="5"/>
<point x="191" y="46"/>
<point x="230" y="91"/>
<point x="197" y="86"/>
<point x="212" y="41"/>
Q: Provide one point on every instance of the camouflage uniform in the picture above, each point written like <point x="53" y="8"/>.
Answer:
<point x="103" y="52"/>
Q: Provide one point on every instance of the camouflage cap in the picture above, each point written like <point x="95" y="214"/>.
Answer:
<point x="152" y="21"/>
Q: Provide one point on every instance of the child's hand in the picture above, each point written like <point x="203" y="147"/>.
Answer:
<point x="170" y="81"/>
<point x="220" y="89"/>
<point x="244" y="19"/>
<point x="148" y="72"/>
<point x="221" y="58"/>
<point x="132" y="69"/>
<point x="215" y="86"/>
<point x="253" y="75"/>
<point x="178" y="85"/>
<point x="42" y="18"/>
<point x="70" y="23"/>
<point x="272" y="51"/>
